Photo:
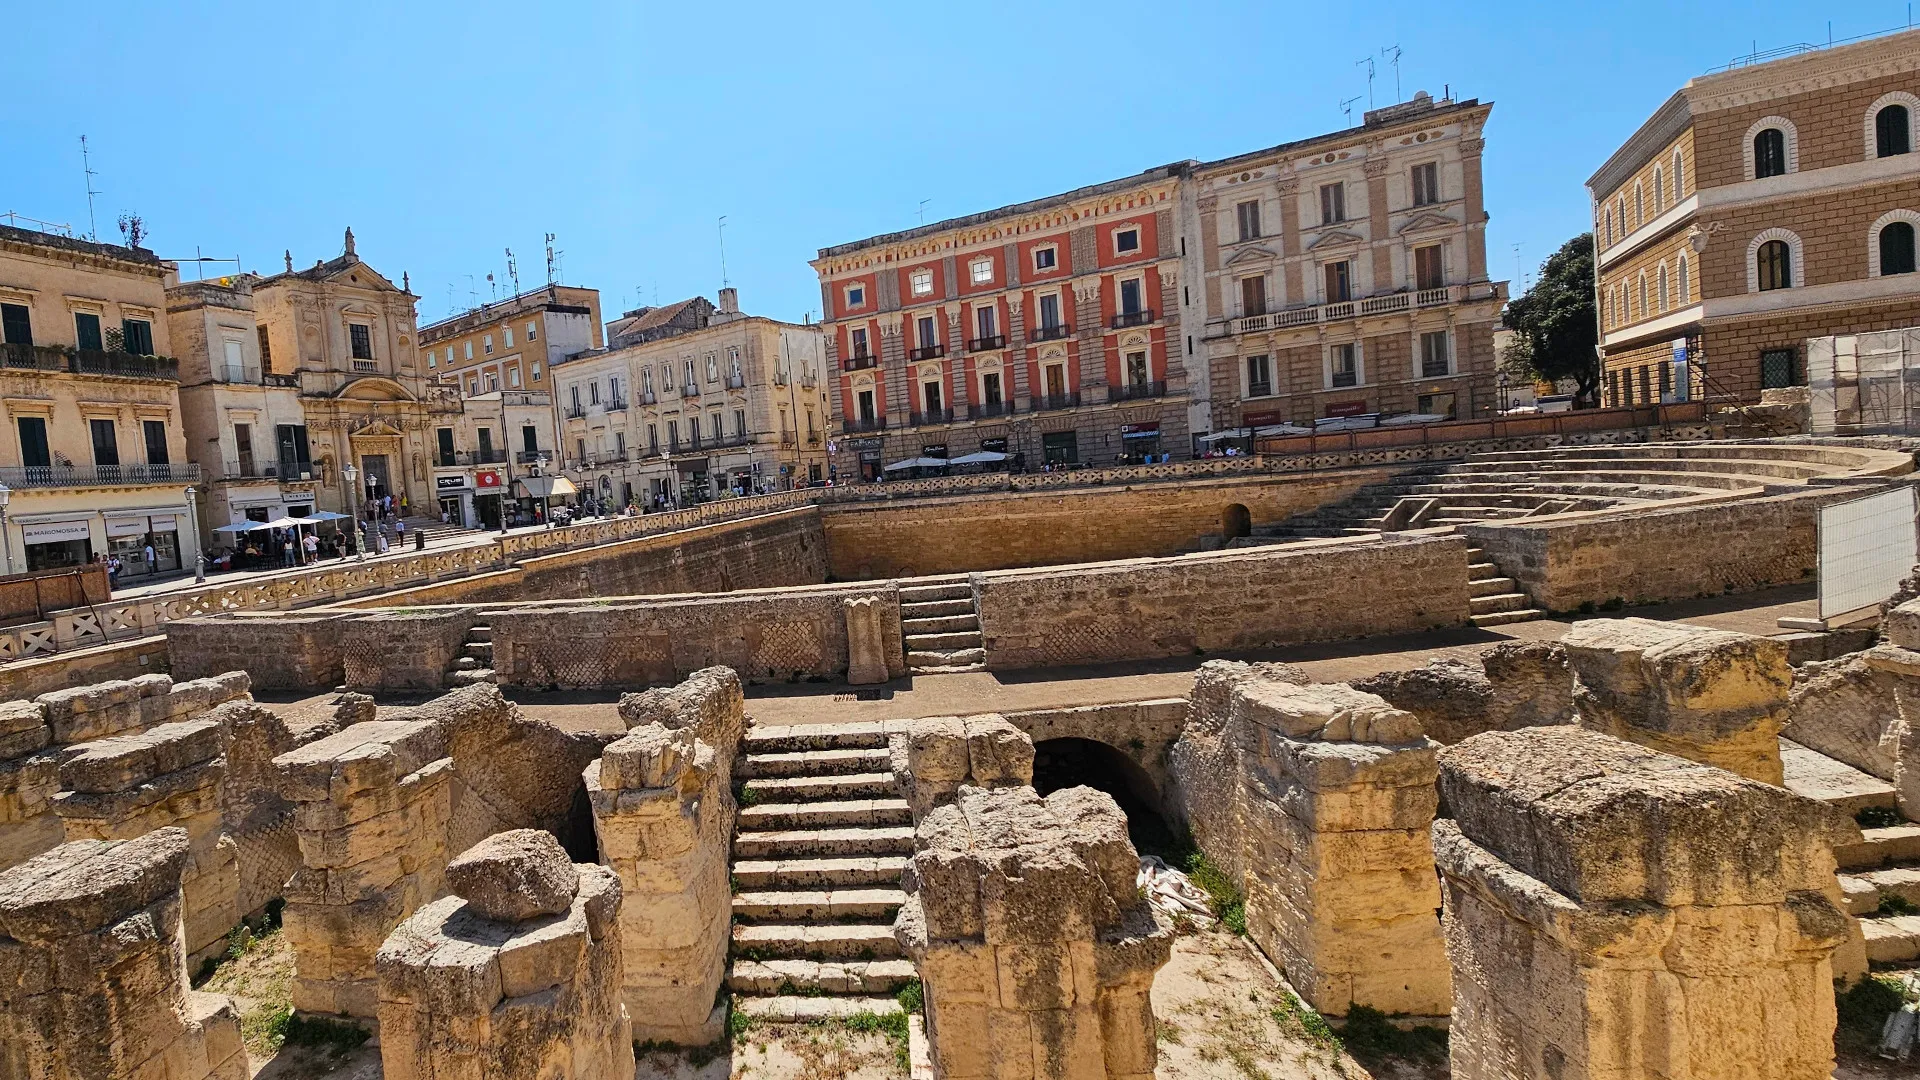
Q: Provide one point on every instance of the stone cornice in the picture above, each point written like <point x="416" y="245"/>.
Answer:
<point x="1819" y="69"/>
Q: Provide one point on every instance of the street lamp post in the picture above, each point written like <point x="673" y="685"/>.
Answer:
<point x="352" y="476"/>
<point x="6" y="549"/>
<point x="199" y="554"/>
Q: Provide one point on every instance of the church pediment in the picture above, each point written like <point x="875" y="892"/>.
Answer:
<point x="1427" y="221"/>
<point x="1254" y="253"/>
<point x="375" y="429"/>
<point x="1334" y="238"/>
<point x="375" y="388"/>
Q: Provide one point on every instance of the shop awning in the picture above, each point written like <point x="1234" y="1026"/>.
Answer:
<point x="979" y="457"/>
<point x="919" y="463"/>
<point x="547" y="487"/>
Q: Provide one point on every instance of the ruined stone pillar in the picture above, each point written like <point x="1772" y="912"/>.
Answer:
<point x="129" y="785"/>
<point x="93" y="973"/>
<point x="663" y="812"/>
<point x="371" y="811"/>
<point x="1613" y="912"/>
<point x="933" y="757"/>
<point x="1036" y="950"/>
<point x="516" y="974"/>
<point x="1712" y="696"/>
<point x="866" y="643"/>
<point x="1339" y="862"/>
<point x="29" y="777"/>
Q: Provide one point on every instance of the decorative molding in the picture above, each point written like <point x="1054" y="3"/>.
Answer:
<point x="1796" y="261"/>
<point x="1871" y="127"/>
<point x="1873" y="236"/>
<point x="1253" y="253"/>
<point x="1786" y="127"/>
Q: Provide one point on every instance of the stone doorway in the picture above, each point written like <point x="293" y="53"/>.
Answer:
<point x="377" y="475"/>
<point x="1235" y="521"/>
<point x="1065" y="763"/>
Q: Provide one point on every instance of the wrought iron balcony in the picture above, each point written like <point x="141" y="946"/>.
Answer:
<point x="736" y="382"/>
<point x="647" y="398"/>
<point x="88" y="362"/>
<point x="1049" y="402"/>
<point x="855" y="363"/>
<point x="991" y="408"/>
<point x="529" y="457"/>
<point x="59" y="476"/>
<point x="931" y="416"/>
<point x="690" y="390"/>
<point x="1137" y="391"/>
<point x="1132" y="318"/>
<point x="987" y="344"/>
<point x="576" y="412"/>
<point x="854" y="424"/>
<point x="1049" y="333"/>
<point x="286" y="472"/>
<point x="618" y="404"/>
<point x="928" y="352"/>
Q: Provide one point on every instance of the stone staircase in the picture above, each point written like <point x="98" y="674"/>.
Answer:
<point x="1880" y="876"/>
<point x="941" y="623"/>
<point x="1495" y="600"/>
<point x="475" y="662"/>
<point x="821" y="841"/>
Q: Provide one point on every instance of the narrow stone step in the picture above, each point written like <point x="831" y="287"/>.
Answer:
<point x="1880" y="847"/>
<point x="1501" y="618"/>
<point x="786" y="1009"/>
<point x="815" y="763"/>
<point x="788" y="789"/>
<point x="819" y="905"/>
<point x="479" y="633"/>
<point x="480" y="650"/>
<point x="1836" y="783"/>
<point x="832" y="941"/>
<point x="934" y="609"/>
<point x="1487" y="605"/>
<point x="832" y="976"/>
<point x="826" y="814"/>
<point x="946" y="669"/>
<point x="799" y="843"/>
<point x="1475" y="554"/>
<point x="1481" y="570"/>
<point x="1858" y="895"/>
<point x="466" y="663"/>
<point x="469" y="678"/>
<point x="943" y="624"/>
<point x="1893" y="939"/>
<point x="849" y="873"/>
<point x="948" y="658"/>
<point x="959" y="639"/>
<point x="951" y="590"/>
<point x="1490" y="586"/>
<point x="1864" y="891"/>
<point x="776" y="738"/>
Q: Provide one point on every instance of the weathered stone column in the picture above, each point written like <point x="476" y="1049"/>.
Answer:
<point x="1613" y="912"/>
<point x="933" y="757"/>
<point x="1036" y="950"/>
<point x="1339" y="866"/>
<point x="129" y="785"/>
<point x="1712" y="696"/>
<point x="866" y="643"/>
<point x="93" y="973"/>
<point x="516" y="974"/>
<point x="371" y="810"/>
<point x="663" y="812"/>
<point x="29" y="777"/>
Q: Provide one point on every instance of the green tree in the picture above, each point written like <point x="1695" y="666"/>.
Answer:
<point x="1555" y="331"/>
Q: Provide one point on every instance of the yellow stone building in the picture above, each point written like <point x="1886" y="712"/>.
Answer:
<point x="94" y="457"/>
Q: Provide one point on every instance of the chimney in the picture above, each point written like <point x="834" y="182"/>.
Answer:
<point x="729" y="301"/>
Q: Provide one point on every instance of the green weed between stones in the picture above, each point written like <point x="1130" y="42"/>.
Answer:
<point x="1225" y="900"/>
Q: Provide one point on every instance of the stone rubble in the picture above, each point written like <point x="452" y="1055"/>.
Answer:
<point x="933" y="757"/>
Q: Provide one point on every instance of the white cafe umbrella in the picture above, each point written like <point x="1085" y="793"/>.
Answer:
<point x="978" y="457"/>
<point x="323" y="515"/>
<point x="241" y="526"/>
<point x="919" y="463"/>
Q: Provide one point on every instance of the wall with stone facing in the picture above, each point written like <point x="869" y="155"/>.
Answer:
<point x="38" y="675"/>
<point x="1613" y="911"/>
<point x="281" y="650"/>
<point x="1143" y="731"/>
<point x="1653" y="554"/>
<point x="402" y="650"/>
<point x="993" y="531"/>
<point x="1221" y="601"/>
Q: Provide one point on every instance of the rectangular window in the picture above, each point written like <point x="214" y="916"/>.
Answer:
<point x="1139" y="372"/>
<point x="445" y="438"/>
<point x="921" y="282"/>
<point x="473" y="386"/>
<point x="620" y="444"/>
<point x="1333" y="203"/>
<point x="1346" y="365"/>
<point x="1126" y="241"/>
<point x="986" y="320"/>
<point x="593" y="392"/>
<point x="529" y="439"/>
<point x="86" y="331"/>
<point x="266" y="349"/>
<point x="155" y="434"/>
<point x="865" y="401"/>
<point x="1050" y="311"/>
<point x="990" y="388"/>
<point x="136" y="336"/>
<point x="291" y="444"/>
<point x="859" y="338"/>
<point x="106" y="444"/>
<point x="924" y="330"/>
<point x="1429" y="270"/>
<point x="717" y="430"/>
<point x="533" y="332"/>
<point x="1426" y="184"/>
<point x="653" y="438"/>
<point x="1046" y="258"/>
<point x="673" y="435"/>
<point x="1339" y="282"/>
<point x="1436" y="355"/>
<point x="580" y="450"/>
<point x="1778" y="368"/>
<point x="34" y="453"/>
<point x="16" y="324"/>
<point x="1130" y="296"/>
<point x="513" y="377"/>
<point x="575" y="391"/>
<point x="856" y="295"/>
<point x="1646" y="389"/>
<point x="467" y="347"/>
<point x="362" y="340"/>
<point x="982" y="271"/>
<point x="1259" y="376"/>
<point x="493" y="382"/>
<point x="740" y="423"/>
<point x="243" y="445"/>
<point x="506" y="336"/>
<point x="1253" y="296"/>
<point x="486" y="345"/>
<point x="930" y="397"/>
<point x="486" y="443"/>
<point x="1248" y="214"/>
<point x="1666" y="380"/>
<point x="535" y="374"/>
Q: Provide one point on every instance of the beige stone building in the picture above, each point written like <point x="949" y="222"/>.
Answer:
<point x="94" y="454"/>
<point x="1346" y="273"/>
<point x="512" y="344"/>
<point x="484" y="458"/>
<point x="692" y="401"/>
<point x="1760" y="206"/>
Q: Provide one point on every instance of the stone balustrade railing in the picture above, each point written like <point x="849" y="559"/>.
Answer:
<point x="136" y="617"/>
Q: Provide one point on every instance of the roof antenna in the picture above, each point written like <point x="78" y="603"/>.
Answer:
<point x="86" y="168"/>
<point x="550" y="254"/>
<point x="1368" y="61"/>
<point x="923" y="210"/>
<point x="1392" y="53"/>
<point x="513" y="271"/>
<point x="724" y="283"/>
<point x="1347" y="107"/>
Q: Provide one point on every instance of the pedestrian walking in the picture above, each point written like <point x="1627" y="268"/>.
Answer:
<point x="400" y="532"/>
<point x="113" y="572"/>
<point x="312" y="544"/>
<point x="153" y="563"/>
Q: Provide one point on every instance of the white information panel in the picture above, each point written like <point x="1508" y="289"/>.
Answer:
<point x="1866" y="547"/>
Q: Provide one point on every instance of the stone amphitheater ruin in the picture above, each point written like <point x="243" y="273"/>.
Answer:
<point x="1469" y="739"/>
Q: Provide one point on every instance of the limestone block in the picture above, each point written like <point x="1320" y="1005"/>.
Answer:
<point x="92" y="973"/>
<point x="84" y="713"/>
<point x="352" y="708"/>
<point x="187" y="699"/>
<point x="28" y="825"/>
<point x="525" y="771"/>
<point x="1451" y="699"/>
<point x="1703" y="951"/>
<point x="515" y="876"/>
<point x="1864" y="710"/>
<point x="23" y="729"/>
<point x="1901" y="626"/>
<point x="1036" y="949"/>
<point x="934" y="756"/>
<point x="866" y="641"/>
<point x="1532" y="684"/>
<point x="1332" y="711"/>
<point x="1710" y="695"/>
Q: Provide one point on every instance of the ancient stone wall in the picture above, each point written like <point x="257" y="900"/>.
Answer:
<point x="1221" y="601"/>
<point x="994" y="531"/>
<point x="402" y="650"/>
<point x="1143" y="731"/>
<point x="934" y="757"/>
<point x="1036" y="950"/>
<point x="515" y="975"/>
<point x="1615" y="912"/>
<point x="1516" y="684"/>
<point x="93" y="972"/>
<point x="1863" y="708"/>
<point x="1648" y="554"/>
<point x="280" y="650"/>
<point x="663" y="812"/>
<point x="35" y="675"/>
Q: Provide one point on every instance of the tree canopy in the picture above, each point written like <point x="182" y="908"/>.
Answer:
<point x="1555" y="331"/>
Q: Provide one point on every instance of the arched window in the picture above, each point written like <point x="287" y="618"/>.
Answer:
<point x="1679" y="177"/>
<point x="1686" y="287"/>
<point x="1645" y="308"/>
<point x="1891" y="131"/>
<point x="1639" y="206"/>
<point x="1896" y="247"/>
<point x="1659" y="188"/>
<point x="1663" y="288"/>
<point x="1608" y="234"/>
<point x="1769" y="153"/>
<point x="1774" y="265"/>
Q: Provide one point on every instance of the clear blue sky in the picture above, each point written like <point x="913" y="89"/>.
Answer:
<point x="446" y="133"/>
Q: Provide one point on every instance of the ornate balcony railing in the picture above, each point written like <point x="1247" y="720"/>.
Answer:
<point x="854" y="424"/>
<point x="58" y="476"/>
<point x="1385" y="304"/>
<point x="988" y="409"/>
<point x="929" y="352"/>
<point x="987" y="344"/>
<point x="855" y="363"/>
<point x="1137" y="391"/>
<point x="931" y="416"/>
<point x="1049" y="402"/>
<point x="1049" y="333"/>
<point x="1132" y="318"/>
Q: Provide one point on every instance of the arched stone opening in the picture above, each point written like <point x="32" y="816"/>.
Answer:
<point x="1070" y="762"/>
<point x="1235" y="521"/>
